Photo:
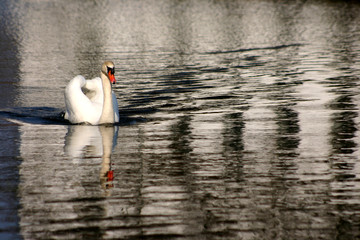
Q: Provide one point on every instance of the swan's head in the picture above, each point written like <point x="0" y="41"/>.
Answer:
<point x="108" y="68"/>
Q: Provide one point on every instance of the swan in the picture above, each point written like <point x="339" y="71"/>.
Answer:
<point x="92" y="101"/>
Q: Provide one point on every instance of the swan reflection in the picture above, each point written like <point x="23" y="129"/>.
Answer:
<point x="84" y="141"/>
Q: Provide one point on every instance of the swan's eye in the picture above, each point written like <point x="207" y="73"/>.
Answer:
<point x="111" y="70"/>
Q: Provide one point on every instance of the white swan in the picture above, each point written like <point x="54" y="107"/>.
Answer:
<point x="92" y="101"/>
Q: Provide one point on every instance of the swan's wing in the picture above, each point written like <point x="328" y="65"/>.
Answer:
<point x="115" y="107"/>
<point x="93" y="90"/>
<point x="93" y="84"/>
<point x="79" y="108"/>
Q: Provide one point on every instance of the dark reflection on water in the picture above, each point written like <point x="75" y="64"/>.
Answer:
<point x="240" y="120"/>
<point x="287" y="131"/>
<point x="9" y="134"/>
<point x="180" y="136"/>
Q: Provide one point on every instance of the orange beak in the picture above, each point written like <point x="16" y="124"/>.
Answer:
<point x="112" y="78"/>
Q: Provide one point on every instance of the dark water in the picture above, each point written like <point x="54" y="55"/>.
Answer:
<point x="240" y="120"/>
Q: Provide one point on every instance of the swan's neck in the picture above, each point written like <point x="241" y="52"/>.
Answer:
<point x="107" y="115"/>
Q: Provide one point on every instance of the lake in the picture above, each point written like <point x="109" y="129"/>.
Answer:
<point x="239" y="120"/>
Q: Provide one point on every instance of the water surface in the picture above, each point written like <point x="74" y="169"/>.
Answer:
<point x="240" y="120"/>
